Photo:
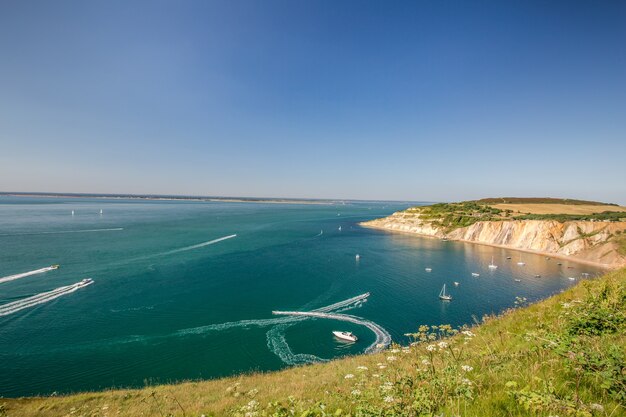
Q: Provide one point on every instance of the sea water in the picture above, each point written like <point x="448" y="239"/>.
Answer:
<point x="185" y="289"/>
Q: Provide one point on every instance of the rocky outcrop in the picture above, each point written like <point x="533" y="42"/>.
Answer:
<point x="594" y="242"/>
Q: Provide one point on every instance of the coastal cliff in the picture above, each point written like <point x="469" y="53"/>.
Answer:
<point x="595" y="242"/>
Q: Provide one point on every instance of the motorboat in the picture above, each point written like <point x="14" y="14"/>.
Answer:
<point x="475" y="274"/>
<point x="345" y="336"/>
<point x="428" y="269"/>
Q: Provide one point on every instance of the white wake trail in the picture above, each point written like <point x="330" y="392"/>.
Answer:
<point x="383" y="338"/>
<point x="199" y="245"/>
<point x="44" y="297"/>
<point x="27" y="274"/>
<point x="113" y="229"/>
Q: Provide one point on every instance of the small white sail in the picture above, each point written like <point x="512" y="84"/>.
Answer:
<point x="443" y="295"/>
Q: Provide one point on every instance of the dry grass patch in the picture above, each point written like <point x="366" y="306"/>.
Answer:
<point x="582" y="209"/>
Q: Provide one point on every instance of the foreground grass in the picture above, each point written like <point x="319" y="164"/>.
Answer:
<point x="564" y="356"/>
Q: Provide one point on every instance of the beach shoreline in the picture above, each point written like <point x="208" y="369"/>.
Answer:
<point x="543" y="253"/>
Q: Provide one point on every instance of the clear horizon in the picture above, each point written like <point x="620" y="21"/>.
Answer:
<point x="408" y="101"/>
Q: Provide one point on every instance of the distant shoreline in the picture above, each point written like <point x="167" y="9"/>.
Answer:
<point x="173" y="198"/>
<point x="157" y="197"/>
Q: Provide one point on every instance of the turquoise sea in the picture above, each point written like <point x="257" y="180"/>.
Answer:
<point x="176" y="296"/>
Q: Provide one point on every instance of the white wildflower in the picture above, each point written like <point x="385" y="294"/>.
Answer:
<point x="468" y="333"/>
<point x="391" y="358"/>
<point x="443" y="345"/>
<point x="356" y="392"/>
<point x="425" y="362"/>
<point x="387" y="386"/>
<point x="382" y="366"/>
<point x="394" y="350"/>
<point x="597" y="407"/>
<point x="431" y="348"/>
<point x="388" y="399"/>
<point x="376" y="375"/>
<point x="466" y="381"/>
<point x="349" y="376"/>
<point x="361" y="368"/>
<point x="467" y="368"/>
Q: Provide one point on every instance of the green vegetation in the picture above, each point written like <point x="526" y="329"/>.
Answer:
<point x="565" y="356"/>
<point x="450" y="216"/>
<point x="540" y="200"/>
<point x="611" y="216"/>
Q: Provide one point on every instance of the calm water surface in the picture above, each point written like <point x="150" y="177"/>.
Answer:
<point x="168" y="304"/>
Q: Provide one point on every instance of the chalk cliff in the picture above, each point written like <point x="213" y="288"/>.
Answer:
<point x="595" y="242"/>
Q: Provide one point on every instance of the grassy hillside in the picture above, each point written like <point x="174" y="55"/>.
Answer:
<point x="565" y="356"/>
<point x="450" y="216"/>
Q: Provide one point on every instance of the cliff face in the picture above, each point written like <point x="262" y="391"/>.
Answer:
<point x="582" y="240"/>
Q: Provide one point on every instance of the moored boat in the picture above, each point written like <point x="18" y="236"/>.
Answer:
<point x="443" y="296"/>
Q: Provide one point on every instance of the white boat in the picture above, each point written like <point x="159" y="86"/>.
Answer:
<point x="428" y="269"/>
<point x="55" y="266"/>
<point x="521" y="263"/>
<point x="571" y="278"/>
<point x="537" y="276"/>
<point x="340" y="228"/>
<point x="442" y="294"/>
<point x="100" y="211"/>
<point x="84" y="282"/>
<point x="475" y="274"/>
<point x="492" y="265"/>
<point x="72" y="212"/>
<point x="518" y="280"/>
<point x="456" y="284"/>
<point x="345" y="336"/>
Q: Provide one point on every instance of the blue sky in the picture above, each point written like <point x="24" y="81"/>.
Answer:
<point x="415" y="100"/>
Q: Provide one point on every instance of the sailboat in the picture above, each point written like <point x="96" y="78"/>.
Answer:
<point x="100" y="211"/>
<point x="443" y="296"/>
<point x="72" y="212"/>
<point x="340" y="228"/>
<point x="492" y="265"/>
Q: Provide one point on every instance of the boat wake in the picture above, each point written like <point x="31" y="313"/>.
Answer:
<point x="199" y="245"/>
<point x="276" y="340"/>
<point x="41" y="298"/>
<point x="27" y="274"/>
<point x="383" y="338"/>
<point x="113" y="229"/>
